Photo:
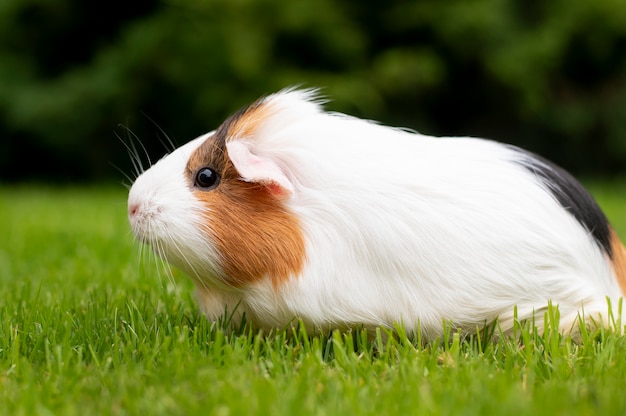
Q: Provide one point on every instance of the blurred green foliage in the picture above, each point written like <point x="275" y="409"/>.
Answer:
<point x="549" y="76"/>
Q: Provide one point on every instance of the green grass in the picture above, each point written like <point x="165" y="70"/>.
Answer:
<point x="86" y="328"/>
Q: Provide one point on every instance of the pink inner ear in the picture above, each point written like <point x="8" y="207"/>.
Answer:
<point x="258" y="169"/>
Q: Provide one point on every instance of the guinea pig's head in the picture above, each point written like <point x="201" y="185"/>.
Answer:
<point x="217" y="207"/>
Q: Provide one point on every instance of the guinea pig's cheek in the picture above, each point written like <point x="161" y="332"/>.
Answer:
<point x="254" y="235"/>
<point x="163" y="217"/>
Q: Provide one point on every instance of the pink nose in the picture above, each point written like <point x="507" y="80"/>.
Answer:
<point x="132" y="209"/>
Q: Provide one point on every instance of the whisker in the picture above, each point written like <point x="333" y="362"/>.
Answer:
<point x="169" y="146"/>
<point x="163" y="265"/>
<point x="133" y="155"/>
<point x="191" y="266"/>
<point x="126" y="176"/>
<point x="134" y="147"/>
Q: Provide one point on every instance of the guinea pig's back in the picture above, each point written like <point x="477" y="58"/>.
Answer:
<point x="425" y="227"/>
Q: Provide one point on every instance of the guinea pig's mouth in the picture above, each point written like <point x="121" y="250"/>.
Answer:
<point x="146" y="236"/>
<point x="141" y="231"/>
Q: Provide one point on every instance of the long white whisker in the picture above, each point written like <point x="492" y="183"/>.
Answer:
<point x="126" y="176"/>
<point x="169" y="146"/>
<point x="133" y="155"/>
<point x="164" y="265"/>
<point x="189" y="263"/>
<point x="134" y="147"/>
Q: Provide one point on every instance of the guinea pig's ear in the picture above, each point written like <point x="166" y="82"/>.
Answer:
<point x="259" y="169"/>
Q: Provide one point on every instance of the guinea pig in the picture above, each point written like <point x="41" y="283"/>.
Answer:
<point x="288" y="213"/>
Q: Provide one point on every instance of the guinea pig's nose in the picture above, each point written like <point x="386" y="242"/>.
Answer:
<point x="132" y="209"/>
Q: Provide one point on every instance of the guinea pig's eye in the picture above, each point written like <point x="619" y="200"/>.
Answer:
<point x="207" y="178"/>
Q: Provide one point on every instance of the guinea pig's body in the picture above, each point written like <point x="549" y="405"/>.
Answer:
<point x="287" y="211"/>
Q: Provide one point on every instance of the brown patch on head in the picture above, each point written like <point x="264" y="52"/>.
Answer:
<point x="244" y="123"/>
<point x="255" y="234"/>
<point x="618" y="260"/>
<point x="241" y="125"/>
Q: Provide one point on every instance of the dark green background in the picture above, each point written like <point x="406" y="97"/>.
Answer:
<point x="547" y="75"/>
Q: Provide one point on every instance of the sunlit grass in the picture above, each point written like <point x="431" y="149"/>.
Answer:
<point x="85" y="328"/>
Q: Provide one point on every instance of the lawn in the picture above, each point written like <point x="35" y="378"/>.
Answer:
<point x="87" y="328"/>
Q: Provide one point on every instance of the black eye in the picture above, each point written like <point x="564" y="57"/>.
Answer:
<point x="207" y="178"/>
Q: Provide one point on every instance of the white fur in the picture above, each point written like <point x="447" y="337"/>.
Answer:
<point x="399" y="228"/>
<point x="167" y="215"/>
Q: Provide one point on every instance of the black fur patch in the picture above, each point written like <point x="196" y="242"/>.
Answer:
<point x="572" y="196"/>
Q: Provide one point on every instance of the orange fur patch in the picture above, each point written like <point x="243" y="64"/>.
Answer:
<point x="618" y="260"/>
<point x="244" y="125"/>
<point x="255" y="234"/>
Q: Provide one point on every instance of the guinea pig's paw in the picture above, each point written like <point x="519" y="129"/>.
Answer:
<point x="224" y="308"/>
